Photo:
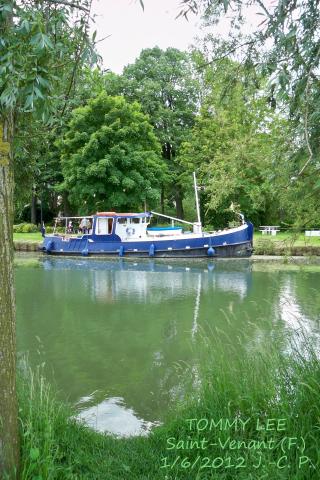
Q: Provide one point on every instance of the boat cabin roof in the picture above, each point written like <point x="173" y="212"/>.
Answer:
<point x="108" y="214"/>
<point x="115" y="214"/>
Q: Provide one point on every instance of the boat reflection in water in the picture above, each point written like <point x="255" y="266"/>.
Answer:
<point x="110" y="280"/>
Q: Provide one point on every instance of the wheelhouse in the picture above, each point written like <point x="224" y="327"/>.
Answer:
<point x="123" y="225"/>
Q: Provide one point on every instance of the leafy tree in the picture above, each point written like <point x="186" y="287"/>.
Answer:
<point x="234" y="145"/>
<point x="36" y="141"/>
<point x="37" y="169"/>
<point x="285" y="47"/>
<point x="293" y="27"/>
<point x="31" y="54"/>
<point x="165" y="84"/>
<point x="110" y="156"/>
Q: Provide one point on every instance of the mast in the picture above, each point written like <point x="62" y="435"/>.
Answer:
<point x="197" y="201"/>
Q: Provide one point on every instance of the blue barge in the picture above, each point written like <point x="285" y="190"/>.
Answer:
<point x="127" y="234"/>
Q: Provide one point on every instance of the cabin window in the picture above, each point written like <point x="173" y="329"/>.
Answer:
<point x="122" y="221"/>
<point x="135" y="220"/>
<point x="104" y="226"/>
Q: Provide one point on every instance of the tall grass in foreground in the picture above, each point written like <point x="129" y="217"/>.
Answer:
<point x="40" y="414"/>
<point x="234" y="381"/>
<point x="257" y="382"/>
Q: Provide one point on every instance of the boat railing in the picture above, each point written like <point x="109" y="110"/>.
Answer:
<point x="69" y="230"/>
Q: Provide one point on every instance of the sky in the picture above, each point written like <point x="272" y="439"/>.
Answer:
<point x="131" y="29"/>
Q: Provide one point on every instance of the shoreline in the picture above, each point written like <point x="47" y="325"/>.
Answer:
<point x="25" y="256"/>
<point x="26" y="246"/>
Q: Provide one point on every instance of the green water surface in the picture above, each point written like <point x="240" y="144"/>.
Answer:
<point x="118" y="337"/>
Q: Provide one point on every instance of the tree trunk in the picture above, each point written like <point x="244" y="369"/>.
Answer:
<point x="65" y="204"/>
<point x="9" y="437"/>
<point x="179" y="202"/>
<point x="34" y="208"/>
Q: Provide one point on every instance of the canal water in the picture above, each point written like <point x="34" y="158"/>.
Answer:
<point x="118" y="338"/>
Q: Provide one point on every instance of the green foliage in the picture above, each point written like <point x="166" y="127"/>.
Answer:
<point x="293" y="56"/>
<point x="41" y="51"/>
<point x="233" y="145"/>
<point x="25" y="228"/>
<point x="110" y="156"/>
<point x="50" y="229"/>
<point x="38" y="141"/>
<point x="255" y="142"/>
<point x="165" y="84"/>
<point x="37" y="44"/>
<point x="285" y="49"/>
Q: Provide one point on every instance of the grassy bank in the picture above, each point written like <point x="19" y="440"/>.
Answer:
<point x="286" y="243"/>
<point x="27" y="237"/>
<point x="233" y="393"/>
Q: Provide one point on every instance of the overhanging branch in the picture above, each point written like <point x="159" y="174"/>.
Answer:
<point x="68" y="4"/>
<point x="306" y="115"/>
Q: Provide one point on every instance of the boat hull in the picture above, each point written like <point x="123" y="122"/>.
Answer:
<point x="229" y="244"/>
